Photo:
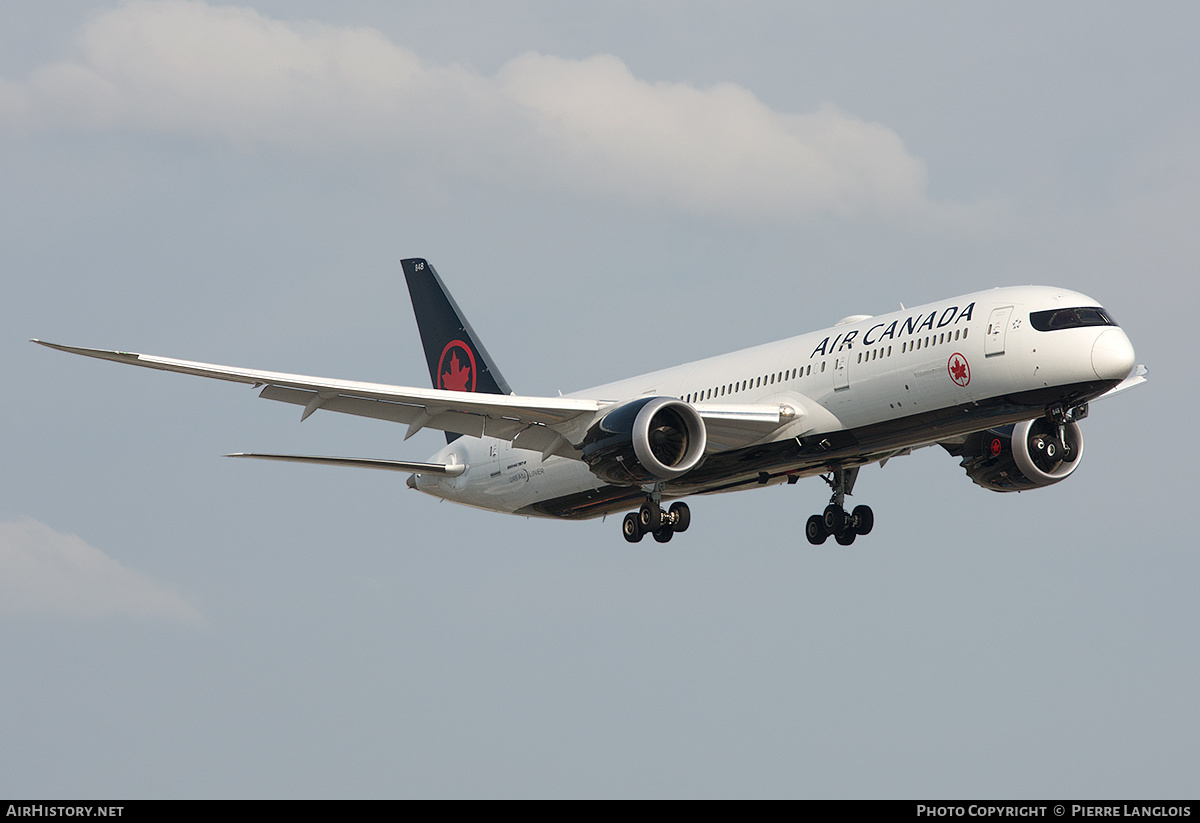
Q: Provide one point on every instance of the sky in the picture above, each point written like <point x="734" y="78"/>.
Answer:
<point x="606" y="189"/>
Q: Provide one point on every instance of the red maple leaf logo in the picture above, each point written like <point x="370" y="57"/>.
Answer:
<point x="960" y="373"/>
<point x="456" y="379"/>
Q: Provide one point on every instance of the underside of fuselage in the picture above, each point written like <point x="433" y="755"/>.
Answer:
<point x="816" y="454"/>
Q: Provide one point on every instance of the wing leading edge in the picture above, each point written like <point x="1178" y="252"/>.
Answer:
<point x="550" y="425"/>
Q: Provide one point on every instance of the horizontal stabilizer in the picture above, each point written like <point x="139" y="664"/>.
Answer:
<point x="446" y="469"/>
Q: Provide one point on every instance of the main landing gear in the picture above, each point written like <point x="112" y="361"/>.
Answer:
<point x="651" y="519"/>
<point x="835" y="520"/>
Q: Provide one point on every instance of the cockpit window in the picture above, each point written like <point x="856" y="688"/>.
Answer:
<point x="1056" y="319"/>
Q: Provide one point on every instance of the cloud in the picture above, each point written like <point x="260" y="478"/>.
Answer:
<point x="586" y="125"/>
<point x="718" y="148"/>
<point x="45" y="572"/>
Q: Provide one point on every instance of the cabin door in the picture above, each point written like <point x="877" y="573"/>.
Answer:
<point x="993" y="342"/>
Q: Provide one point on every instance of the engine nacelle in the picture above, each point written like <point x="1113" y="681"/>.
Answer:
<point x="644" y="441"/>
<point x="1023" y="456"/>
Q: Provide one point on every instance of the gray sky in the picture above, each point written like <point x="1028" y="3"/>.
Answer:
<point x="607" y="190"/>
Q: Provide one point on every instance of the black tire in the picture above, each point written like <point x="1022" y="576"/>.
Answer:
<point x="814" y="530"/>
<point x="664" y="534"/>
<point x="835" y="519"/>
<point x="682" y="516"/>
<point x="863" y="519"/>
<point x="632" y="528"/>
<point x="845" y="538"/>
<point x="650" y="516"/>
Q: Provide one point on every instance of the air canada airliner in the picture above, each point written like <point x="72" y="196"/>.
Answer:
<point x="999" y="379"/>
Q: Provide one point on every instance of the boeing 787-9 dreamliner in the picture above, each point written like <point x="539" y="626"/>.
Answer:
<point x="999" y="378"/>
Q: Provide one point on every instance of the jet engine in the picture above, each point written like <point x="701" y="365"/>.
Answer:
<point x="645" y="441"/>
<point x="1023" y="456"/>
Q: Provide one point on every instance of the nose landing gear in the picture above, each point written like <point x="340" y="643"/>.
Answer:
<point x="835" y="521"/>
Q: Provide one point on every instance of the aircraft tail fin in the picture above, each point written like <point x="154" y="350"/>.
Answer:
<point x="457" y="360"/>
<point x="456" y="357"/>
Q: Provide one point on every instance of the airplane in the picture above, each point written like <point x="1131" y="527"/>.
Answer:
<point x="999" y="379"/>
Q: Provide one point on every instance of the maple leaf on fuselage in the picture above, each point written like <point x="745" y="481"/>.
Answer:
<point x="958" y="370"/>
<point x="456" y="379"/>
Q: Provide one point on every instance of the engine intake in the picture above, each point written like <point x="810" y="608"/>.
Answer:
<point x="1023" y="456"/>
<point x="645" y="440"/>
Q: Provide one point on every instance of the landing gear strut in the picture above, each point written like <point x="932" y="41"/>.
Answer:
<point x="835" y="520"/>
<point x="651" y="519"/>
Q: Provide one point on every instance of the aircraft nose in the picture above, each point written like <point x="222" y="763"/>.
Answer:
<point x="1112" y="355"/>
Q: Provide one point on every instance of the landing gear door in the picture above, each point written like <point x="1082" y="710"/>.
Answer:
<point x="993" y="342"/>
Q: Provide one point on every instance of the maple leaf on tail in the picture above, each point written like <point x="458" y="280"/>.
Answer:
<point x="456" y="379"/>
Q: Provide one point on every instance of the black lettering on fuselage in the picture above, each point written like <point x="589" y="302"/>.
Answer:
<point x="912" y="325"/>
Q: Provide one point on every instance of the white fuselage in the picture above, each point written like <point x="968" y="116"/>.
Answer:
<point x="884" y="375"/>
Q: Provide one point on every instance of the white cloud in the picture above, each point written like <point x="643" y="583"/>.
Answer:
<point x="716" y="149"/>
<point x="45" y="572"/>
<point x="588" y="125"/>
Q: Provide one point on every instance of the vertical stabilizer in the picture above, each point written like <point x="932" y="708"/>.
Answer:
<point x="457" y="360"/>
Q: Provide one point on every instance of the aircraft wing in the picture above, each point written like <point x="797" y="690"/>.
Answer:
<point x="443" y="469"/>
<point x="551" y="425"/>
<point x="1136" y="377"/>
